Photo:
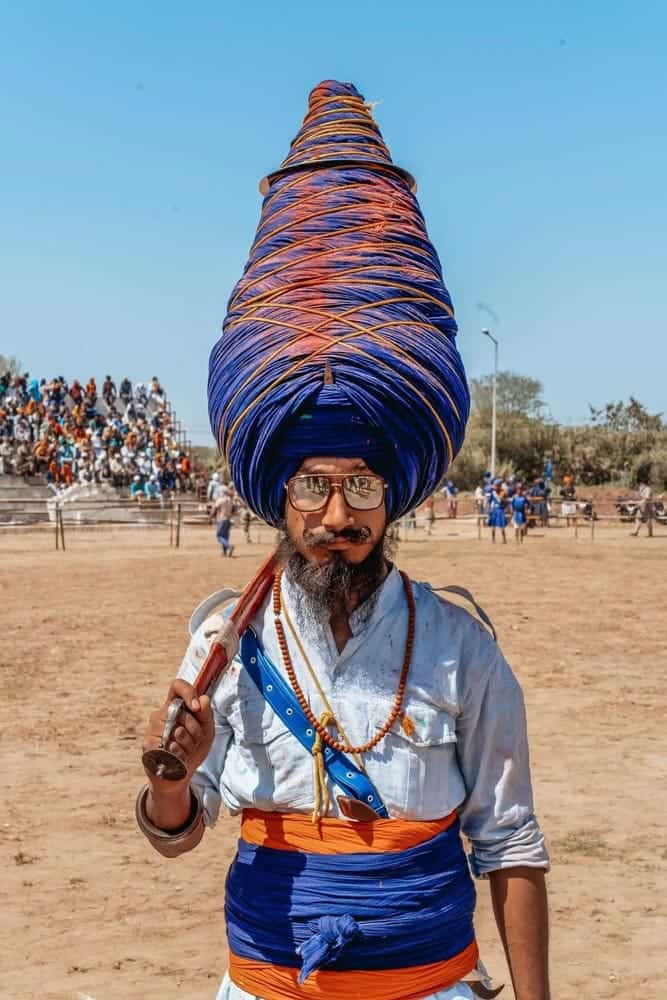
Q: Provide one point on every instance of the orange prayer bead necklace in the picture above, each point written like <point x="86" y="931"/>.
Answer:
<point x="400" y="692"/>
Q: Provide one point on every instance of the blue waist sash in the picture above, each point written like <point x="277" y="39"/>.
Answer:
<point x="351" y="911"/>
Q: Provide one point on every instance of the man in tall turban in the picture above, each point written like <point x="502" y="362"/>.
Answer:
<point x="364" y="722"/>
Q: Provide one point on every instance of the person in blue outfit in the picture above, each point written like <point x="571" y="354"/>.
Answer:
<point x="519" y="506"/>
<point x="538" y="502"/>
<point x="497" y="510"/>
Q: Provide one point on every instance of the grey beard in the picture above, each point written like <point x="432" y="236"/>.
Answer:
<point x="323" y="589"/>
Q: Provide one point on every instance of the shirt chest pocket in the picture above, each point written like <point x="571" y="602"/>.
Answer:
<point x="419" y="771"/>
<point x="268" y="760"/>
<point x="244" y="707"/>
<point x="425" y="726"/>
<point x="251" y="717"/>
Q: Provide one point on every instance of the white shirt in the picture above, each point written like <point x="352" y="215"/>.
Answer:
<point x="213" y="490"/>
<point x="469" y="750"/>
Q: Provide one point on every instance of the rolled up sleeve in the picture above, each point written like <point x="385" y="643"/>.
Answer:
<point x="492" y="747"/>
<point x="206" y="779"/>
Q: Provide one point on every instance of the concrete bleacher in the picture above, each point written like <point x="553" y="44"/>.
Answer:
<point x="23" y="500"/>
<point x="97" y="503"/>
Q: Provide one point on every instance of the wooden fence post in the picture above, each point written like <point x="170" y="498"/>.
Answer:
<point x="171" y="524"/>
<point x="178" y="525"/>
<point x="57" y="524"/>
<point x="62" y="528"/>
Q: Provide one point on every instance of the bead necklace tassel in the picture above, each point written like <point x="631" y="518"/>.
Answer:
<point x="321" y="791"/>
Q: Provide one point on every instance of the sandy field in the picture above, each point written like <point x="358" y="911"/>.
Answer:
<point x="91" y="639"/>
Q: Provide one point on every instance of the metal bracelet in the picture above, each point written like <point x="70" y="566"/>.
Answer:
<point x="171" y="842"/>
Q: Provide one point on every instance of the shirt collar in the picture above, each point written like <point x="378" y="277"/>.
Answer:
<point x="386" y="598"/>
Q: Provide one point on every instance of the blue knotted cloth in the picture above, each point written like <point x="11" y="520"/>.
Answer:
<point x="330" y="936"/>
<point x="360" y="911"/>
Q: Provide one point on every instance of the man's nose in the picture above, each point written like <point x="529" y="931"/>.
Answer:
<point x="337" y="514"/>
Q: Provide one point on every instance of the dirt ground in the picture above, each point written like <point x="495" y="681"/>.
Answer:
<point x="91" y="638"/>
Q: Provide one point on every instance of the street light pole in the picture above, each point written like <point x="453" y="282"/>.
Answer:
<point x="487" y="333"/>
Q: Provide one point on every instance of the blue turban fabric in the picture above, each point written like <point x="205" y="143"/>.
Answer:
<point x="339" y="339"/>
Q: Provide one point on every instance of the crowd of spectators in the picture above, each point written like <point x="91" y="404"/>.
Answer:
<point x="71" y="434"/>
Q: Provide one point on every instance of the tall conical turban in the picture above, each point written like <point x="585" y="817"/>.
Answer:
<point x="339" y="338"/>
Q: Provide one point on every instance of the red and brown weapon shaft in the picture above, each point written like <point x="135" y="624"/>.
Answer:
<point x="161" y="761"/>
<point x="246" y="608"/>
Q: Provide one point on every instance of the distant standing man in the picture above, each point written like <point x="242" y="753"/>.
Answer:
<point x="480" y="499"/>
<point x="645" y="510"/>
<point x="125" y="394"/>
<point x="223" y="509"/>
<point x="497" y="511"/>
<point x="430" y="515"/>
<point x="568" y="507"/>
<point x="451" y="495"/>
<point x="109" y="391"/>
<point x="246" y="519"/>
<point x="519" y="505"/>
<point x="214" y="488"/>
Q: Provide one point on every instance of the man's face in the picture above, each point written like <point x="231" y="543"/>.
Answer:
<point x="336" y="527"/>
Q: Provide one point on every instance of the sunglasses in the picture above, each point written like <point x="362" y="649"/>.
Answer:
<point x="361" y="491"/>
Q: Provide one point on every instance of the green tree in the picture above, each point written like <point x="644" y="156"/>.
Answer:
<point x="210" y="458"/>
<point x="518" y="395"/>
<point x="626" y="417"/>
<point x="623" y="443"/>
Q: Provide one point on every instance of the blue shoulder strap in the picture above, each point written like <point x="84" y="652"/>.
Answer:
<point x="284" y="703"/>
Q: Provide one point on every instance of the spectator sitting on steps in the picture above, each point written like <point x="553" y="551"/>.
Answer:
<point x="6" y="455"/>
<point x="152" y="489"/>
<point x="117" y="471"/>
<point x="24" y="462"/>
<point x="137" y="488"/>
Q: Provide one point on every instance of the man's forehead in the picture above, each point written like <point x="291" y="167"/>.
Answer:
<point x="328" y="463"/>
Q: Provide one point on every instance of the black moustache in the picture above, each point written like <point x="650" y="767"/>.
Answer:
<point x="314" y="538"/>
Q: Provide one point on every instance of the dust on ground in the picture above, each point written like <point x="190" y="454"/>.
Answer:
<point x="92" y="637"/>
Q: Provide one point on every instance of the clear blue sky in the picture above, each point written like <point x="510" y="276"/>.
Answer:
<point x="134" y="135"/>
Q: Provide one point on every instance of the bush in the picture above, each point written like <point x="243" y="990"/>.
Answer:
<point x="623" y="444"/>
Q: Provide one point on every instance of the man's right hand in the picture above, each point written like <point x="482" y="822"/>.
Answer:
<point x="192" y="736"/>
